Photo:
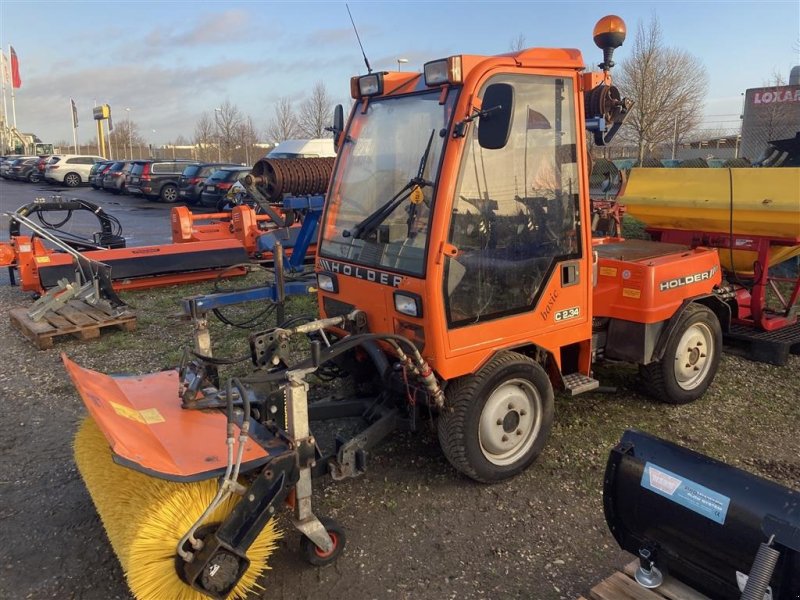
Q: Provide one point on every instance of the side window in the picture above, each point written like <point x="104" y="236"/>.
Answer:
<point x="516" y="211"/>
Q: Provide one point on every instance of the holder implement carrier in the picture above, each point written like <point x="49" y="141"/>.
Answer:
<point x="457" y="274"/>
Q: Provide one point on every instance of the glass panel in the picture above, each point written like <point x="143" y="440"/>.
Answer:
<point x="383" y="153"/>
<point x="516" y="210"/>
<point x="191" y="171"/>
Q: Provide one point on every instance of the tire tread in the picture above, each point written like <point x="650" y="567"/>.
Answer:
<point x="451" y="423"/>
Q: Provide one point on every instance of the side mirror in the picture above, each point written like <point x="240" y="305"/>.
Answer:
<point x="497" y="111"/>
<point x="338" y="125"/>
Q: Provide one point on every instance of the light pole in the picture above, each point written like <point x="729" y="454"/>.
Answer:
<point x="401" y="61"/>
<point x="219" y="135"/>
<point x="130" y="148"/>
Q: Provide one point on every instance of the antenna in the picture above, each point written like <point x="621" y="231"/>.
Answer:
<point x="366" y="62"/>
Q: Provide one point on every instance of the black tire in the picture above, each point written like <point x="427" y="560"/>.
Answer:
<point x="169" y="194"/>
<point x="314" y="555"/>
<point x="478" y="404"/>
<point x="72" y="180"/>
<point x="691" y="358"/>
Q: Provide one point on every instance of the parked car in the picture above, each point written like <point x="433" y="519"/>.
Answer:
<point x="114" y="177"/>
<point x="95" y="173"/>
<point x="157" y="179"/>
<point x="41" y="164"/>
<point x="24" y="169"/>
<point x="5" y="166"/>
<point x="314" y="148"/>
<point x="192" y="180"/>
<point x="219" y="184"/>
<point x="70" y="169"/>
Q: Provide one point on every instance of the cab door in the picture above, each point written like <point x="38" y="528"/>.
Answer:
<point x="517" y="269"/>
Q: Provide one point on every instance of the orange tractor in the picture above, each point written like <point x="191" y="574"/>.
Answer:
<point x="457" y="273"/>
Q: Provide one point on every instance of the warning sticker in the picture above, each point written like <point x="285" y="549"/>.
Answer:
<point x="42" y="259"/>
<point x="608" y="271"/>
<point x="631" y="293"/>
<point x="687" y="493"/>
<point x="147" y="416"/>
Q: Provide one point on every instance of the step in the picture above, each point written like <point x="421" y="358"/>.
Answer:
<point x="578" y="383"/>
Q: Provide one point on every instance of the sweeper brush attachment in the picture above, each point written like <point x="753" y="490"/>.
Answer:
<point x="145" y="518"/>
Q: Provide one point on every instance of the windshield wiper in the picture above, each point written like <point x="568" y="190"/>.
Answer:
<point x="368" y="226"/>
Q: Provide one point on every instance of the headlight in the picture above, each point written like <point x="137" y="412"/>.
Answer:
<point x="327" y="282"/>
<point x="408" y="304"/>
<point x="445" y="70"/>
<point x="370" y="85"/>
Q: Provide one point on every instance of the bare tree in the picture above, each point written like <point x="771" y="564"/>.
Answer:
<point x="246" y="139"/>
<point x="316" y="112"/>
<point x="283" y="125"/>
<point x="776" y="120"/>
<point x="125" y="139"/>
<point x="517" y="43"/>
<point x="205" y="138"/>
<point x="228" y="119"/>
<point x="668" y="86"/>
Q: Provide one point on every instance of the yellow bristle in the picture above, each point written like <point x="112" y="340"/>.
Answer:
<point x="145" y="518"/>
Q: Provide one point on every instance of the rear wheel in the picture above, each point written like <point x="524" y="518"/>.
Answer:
<point x="317" y="557"/>
<point x="33" y="178"/>
<point x="169" y="193"/>
<point x="497" y="421"/>
<point x="691" y="358"/>
<point x="72" y="180"/>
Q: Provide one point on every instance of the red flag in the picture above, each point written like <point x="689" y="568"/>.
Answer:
<point x="16" y="80"/>
<point x="536" y="120"/>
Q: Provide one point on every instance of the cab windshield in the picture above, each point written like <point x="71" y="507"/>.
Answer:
<point x="387" y="148"/>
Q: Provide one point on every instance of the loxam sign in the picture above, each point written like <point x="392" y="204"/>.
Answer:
<point x="776" y="96"/>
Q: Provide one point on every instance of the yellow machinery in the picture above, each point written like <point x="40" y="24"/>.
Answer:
<point x="745" y="202"/>
<point x="752" y="215"/>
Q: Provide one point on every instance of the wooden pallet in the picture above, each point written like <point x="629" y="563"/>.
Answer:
<point x="76" y="318"/>
<point x="622" y="586"/>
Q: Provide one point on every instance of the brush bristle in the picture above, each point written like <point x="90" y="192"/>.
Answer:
<point x="145" y="518"/>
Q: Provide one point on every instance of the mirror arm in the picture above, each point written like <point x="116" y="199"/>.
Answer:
<point x="460" y="129"/>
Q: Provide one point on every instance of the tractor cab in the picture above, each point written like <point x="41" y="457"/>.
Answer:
<point x="457" y="215"/>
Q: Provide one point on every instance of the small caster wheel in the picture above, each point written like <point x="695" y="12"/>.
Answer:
<point x="317" y="557"/>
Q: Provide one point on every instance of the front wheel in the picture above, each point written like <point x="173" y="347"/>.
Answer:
<point x="691" y="358"/>
<point x="497" y="421"/>
<point x="72" y="180"/>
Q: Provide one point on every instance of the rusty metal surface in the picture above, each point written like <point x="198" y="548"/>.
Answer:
<point x="275" y="177"/>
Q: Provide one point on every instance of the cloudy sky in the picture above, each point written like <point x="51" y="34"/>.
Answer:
<point x="171" y="61"/>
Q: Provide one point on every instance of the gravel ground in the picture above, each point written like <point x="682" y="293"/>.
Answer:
<point x="416" y="529"/>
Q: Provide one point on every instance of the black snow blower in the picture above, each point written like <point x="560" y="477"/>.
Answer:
<point x="724" y="532"/>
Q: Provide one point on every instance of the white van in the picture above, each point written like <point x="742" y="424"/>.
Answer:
<point x="316" y="148"/>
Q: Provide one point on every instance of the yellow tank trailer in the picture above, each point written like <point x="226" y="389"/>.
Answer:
<point x="747" y="202"/>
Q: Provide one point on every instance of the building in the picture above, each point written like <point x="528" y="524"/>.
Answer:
<point x="770" y="113"/>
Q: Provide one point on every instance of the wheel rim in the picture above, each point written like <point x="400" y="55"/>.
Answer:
<point x="510" y="422"/>
<point x="71" y="180"/>
<point x="334" y="541"/>
<point x="694" y="356"/>
<point x="170" y="194"/>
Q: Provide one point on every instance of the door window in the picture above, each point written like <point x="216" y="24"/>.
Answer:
<point x="516" y="211"/>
